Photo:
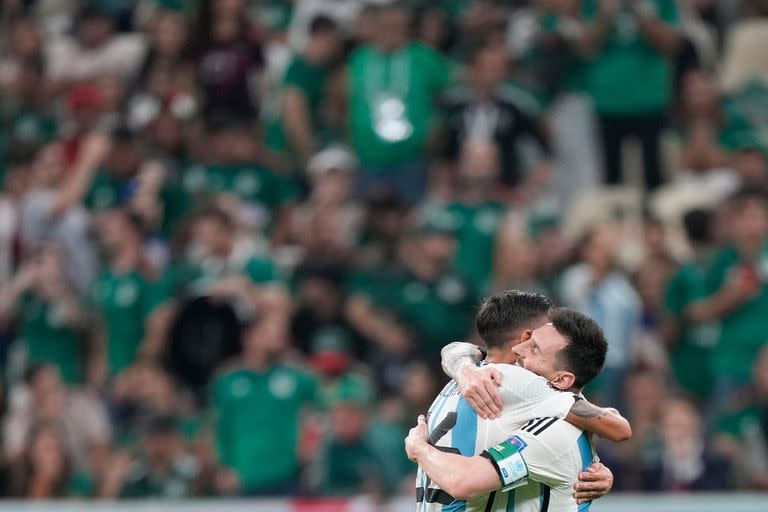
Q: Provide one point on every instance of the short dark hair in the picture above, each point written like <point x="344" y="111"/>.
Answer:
<point x="322" y="25"/>
<point x="504" y="314"/>
<point x="584" y="355"/>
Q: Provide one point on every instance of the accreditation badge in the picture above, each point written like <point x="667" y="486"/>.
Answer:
<point x="390" y="121"/>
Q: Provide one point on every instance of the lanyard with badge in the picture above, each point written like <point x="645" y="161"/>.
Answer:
<point x="387" y="97"/>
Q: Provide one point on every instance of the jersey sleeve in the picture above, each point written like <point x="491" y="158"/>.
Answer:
<point x="548" y="452"/>
<point x="526" y="395"/>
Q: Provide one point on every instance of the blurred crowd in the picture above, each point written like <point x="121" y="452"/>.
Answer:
<point x="235" y="234"/>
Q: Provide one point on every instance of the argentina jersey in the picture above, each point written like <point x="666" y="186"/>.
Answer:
<point x="454" y="427"/>
<point x="554" y="452"/>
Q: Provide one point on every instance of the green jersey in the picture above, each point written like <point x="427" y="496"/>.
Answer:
<point x="124" y="302"/>
<point x="309" y="79"/>
<point x="691" y="357"/>
<point x="257" y="423"/>
<point x="628" y="76"/>
<point x="348" y="466"/>
<point x="476" y="229"/>
<point x="264" y="191"/>
<point x="743" y="333"/>
<point x="176" y="483"/>
<point x="391" y="102"/>
<point x="439" y="311"/>
<point x="49" y="339"/>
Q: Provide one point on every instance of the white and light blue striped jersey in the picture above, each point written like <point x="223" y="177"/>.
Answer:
<point x="454" y="427"/>
<point x="555" y="452"/>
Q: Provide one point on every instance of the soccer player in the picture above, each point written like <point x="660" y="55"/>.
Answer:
<point x="504" y="321"/>
<point x="532" y="471"/>
<point x="540" y="462"/>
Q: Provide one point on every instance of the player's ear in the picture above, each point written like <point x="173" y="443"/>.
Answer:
<point x="525" y="335"/>
<point x="563" y="380"/>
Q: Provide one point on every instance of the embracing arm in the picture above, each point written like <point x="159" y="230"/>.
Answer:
<point x="464" y="478"/>
<point x="603" y="421"/>
<point x="501" y="466"/>
<point x="477" y="385"/>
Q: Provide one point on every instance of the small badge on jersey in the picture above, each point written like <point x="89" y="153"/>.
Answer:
<point x="518" y="442"/>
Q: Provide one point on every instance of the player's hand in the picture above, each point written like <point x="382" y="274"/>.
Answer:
<point x="593" y="483"/>
<point x="417" y="438"/>
<point x="478" y="387"/>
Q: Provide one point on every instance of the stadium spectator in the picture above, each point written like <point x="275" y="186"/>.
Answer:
<point x="261" y="381"/>
<point x="300" y="130"/>
<point x="490" y="109"/>
<point x="45" y="470"/>
<point x="53" y="320"/>
<point x="230" y="60"/>
<point x="79" y="415"/>
<point x="430" y="283"/>
<point x="392" y="88"/>
<point x="692" y="343"/>
<point x="231" y="173"/>
<point x="477" y="211"/>
<point x="332" y="181"/>
<point x="163" y="470"/>
<point x="630" y="46"/>
<point x="96" y="50"/>
<point x="319" y="314"/>
<point x="737" y="293"/>
<point x="742" y="431"/>
<point x="123" y="297"/>
<point x="599" y="289"/>
<point x="349" y="463"/>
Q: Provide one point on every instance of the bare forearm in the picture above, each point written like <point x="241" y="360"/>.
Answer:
<point x="461" y="477"/>
<point x="661" y="36"/>
<point x="297" y="124"/>
<point x="605" y="422"/>
<point x="457" y="354"/>
<point x="594" y="34"/>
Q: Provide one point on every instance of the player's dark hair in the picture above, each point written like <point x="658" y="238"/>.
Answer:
<point x="584" y="355"/>
<point x="504" y="314"/>
<point x="321" y="25"/>
<point x="698" y="224"/>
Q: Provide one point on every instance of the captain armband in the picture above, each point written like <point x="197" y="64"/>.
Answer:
<point x="509" y="463"/>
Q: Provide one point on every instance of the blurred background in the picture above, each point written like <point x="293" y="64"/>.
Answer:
<point x="234" y="234"/>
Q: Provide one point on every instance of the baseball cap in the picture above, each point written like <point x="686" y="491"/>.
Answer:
<point x="330" y="348"/>
<point x="350" y="389"/>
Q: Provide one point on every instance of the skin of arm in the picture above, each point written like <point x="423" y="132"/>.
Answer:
<point x="15" y="289"/>
<point x="603" y="421"/>
<point x="733" y="293"/>
<point x="94" y="151"/>
<point x="594" y="34"/>
<point x="661" y="36"/>
<point x="466" y="478"/>
<point x="297" y="125"/>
